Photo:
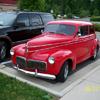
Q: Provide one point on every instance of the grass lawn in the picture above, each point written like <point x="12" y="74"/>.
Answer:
<point x="12" y="89"/>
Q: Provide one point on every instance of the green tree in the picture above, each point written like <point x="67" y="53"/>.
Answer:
<point x="96" y="12"/>
<point x="97" y="5"/>
<point x="68" y="7"/>
<point x="32" y="5"/>
<point x="84" y="13"/>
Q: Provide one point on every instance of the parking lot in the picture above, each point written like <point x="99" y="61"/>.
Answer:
<point x="52" y="86"/>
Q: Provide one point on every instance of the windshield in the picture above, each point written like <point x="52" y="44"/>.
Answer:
<point x="7" y="19"/>
<point x="60" y="28"/>
<point x="47" y="17"/>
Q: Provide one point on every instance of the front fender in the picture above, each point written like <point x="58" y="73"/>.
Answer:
<point x="61" y="56"/>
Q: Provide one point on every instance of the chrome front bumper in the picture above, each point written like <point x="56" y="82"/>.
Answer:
<point x="36" y="74"/>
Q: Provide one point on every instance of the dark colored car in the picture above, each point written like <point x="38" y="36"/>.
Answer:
<point x="19" y="27"/>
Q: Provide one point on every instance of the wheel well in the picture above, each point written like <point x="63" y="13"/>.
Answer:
<point x="7" y="42"/>
<point x="97" y="48"/>
<point x="70" y="63"/>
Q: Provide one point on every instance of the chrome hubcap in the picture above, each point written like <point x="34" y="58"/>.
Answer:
<point x="66" y="72"/>
<point x="95" y="53"/>
<point x="3" y="52"/>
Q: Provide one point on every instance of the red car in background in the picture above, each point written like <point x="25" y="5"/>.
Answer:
<point x="58" y="50"/>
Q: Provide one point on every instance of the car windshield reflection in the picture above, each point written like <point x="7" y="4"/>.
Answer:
<point x="7" y="19"/>
<point x="60" y="29"/>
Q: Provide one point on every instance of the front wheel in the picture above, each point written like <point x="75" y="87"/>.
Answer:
<point x="62" y="76"/>
<point x="3" y="50"/>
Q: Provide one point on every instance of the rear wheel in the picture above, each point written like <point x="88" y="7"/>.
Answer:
<point x="3" y="50"/>
<point x="95" y="54"/>
<point x="62" y="76"/>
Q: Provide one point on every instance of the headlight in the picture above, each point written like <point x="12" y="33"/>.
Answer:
<point x="12" y="52"/>
<point x="51" y="60"/>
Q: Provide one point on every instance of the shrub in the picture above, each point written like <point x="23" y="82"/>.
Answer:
<point x="84" y="13"/>
<point x="96" y="12"/>
<point x="95" y="18"/>
<point x="97" y="27"/>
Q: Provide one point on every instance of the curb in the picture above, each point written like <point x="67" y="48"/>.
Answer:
<point x="28" y="82"/>
<point x="6" y="62"/>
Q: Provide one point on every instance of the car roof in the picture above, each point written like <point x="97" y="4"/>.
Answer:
<point x="34" y="12"/>
<point x="19" y="12"/>
<point x="71" y="22"/>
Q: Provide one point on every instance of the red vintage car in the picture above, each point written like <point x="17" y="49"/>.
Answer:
<point x="56" y="52"/>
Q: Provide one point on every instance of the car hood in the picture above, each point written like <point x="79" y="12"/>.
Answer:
<point x="48" y="40"/>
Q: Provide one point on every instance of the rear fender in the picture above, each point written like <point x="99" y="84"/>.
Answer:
<point x="95" y="45"/>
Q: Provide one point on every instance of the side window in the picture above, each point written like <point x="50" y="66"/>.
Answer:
<point x="84" y="30"/>
<point x="23" y="19"/>
<point x="36" y="20"/>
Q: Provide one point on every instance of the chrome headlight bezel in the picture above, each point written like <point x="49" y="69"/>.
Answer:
<point x="51" y="60"/>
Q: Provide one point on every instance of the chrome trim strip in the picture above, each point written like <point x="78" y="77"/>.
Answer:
<point x="38" y="61"/>
<point x="36" y="74"/>
<point x="47" y="44"/>
<point x="62" y="43"/>
<point x="51" y="47"/>
<point x="55" y="45"/>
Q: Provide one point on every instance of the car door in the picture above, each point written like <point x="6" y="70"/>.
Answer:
<point x="92" y="36"/>
<point x="83" y="50"/>
<point x="21" y="29"/>
<point x="36" y="24"/>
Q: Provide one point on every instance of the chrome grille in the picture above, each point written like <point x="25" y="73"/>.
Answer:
<point x="32" y="64"/>
<point x="36" y="65"/>
<point x="21" y="62"/>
